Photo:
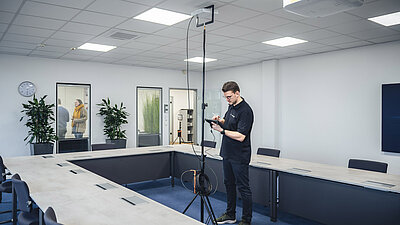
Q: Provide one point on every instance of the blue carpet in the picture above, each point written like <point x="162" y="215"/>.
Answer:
<point x="178" y="198"/>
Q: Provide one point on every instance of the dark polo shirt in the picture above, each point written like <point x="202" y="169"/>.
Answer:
<point x="238" y="118"/>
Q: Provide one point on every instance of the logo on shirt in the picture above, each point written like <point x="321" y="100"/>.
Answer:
<point x="233" y="115"/>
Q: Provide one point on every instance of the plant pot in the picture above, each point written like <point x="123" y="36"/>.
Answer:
<point x="118" y="143"/>
<point x="146" y="140"/>
<point x="41" y="148"/>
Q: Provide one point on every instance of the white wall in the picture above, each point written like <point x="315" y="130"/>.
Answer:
<point x="321" y="108"/>
<point x="114" y="81"/>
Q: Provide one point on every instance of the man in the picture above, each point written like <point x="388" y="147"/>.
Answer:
<point x="236" y="152"/>
<point x="62" y="120"/>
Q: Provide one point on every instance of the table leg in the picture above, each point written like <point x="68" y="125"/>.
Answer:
<point x="273" y="195"/>
<point x="172" y="166"/>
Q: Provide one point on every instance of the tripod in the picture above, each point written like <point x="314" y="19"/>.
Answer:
<point x="181" y="140"/>
<point x="201" y="177"/>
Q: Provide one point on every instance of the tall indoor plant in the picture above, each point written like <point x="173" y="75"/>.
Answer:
<point x="114" y="118"/>
<point x="40" y="118"/>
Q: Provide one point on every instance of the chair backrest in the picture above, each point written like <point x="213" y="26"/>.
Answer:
<point x="103" y="146"/>
<point x="22" y="191"/>
<point x="2" y="171"/>
<point x="50" y="217"/>
<point x="368" y="165"/>
<point x="268" y="152"/>
<point x="209" y="144"/>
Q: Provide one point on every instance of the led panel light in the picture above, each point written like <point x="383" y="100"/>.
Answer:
<point x="387" y="20"/>
<point x="161" y="16"/>
<point x="200" y="60"/>
<point x="285" y="41"/>
<point x="96" y="47"/>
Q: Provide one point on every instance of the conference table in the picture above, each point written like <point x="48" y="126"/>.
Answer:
<point x="85" y="187"/>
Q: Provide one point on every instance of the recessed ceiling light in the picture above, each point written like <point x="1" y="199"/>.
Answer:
<point x="283" y="42"/>
<point x="162" y="16"/>
<point x="387" y="20"/>
<point x="96" y="47"/>
<point x="200" y="60"/>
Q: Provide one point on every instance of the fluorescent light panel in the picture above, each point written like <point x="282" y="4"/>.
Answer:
<point x="200" y="60"/>
<point x="96" y="47"/>
<point x="161" y="16"/>
<point x="387" y="20"/>
<point x="285" y="41"/>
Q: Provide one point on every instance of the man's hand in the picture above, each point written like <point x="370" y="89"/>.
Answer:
<point x="216" y="117"/>
<point x="216" y="127"/>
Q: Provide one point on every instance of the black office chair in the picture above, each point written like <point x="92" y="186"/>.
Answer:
<point x="103" y="146"/>
<point x="209" y="144"/>
<point x="268" y="152"/>
<point x="368" y="165"/>
<point x="28" y="214"/>
<point x="50" y="217"/>
<point x="5" y="186"/>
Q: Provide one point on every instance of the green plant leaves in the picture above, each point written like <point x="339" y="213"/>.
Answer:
<point x="114" y="118"/>
<point x="40" y="117"/>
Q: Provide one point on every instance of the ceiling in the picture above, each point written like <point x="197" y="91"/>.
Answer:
<point x="50" y="28"/>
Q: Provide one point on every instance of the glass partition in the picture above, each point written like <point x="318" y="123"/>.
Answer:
<point x="73" y="117"/>
<point x="149" y="122"/>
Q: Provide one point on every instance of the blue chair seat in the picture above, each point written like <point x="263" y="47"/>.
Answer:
<point x="6" y="187"/>
<point x="31" y="218"/>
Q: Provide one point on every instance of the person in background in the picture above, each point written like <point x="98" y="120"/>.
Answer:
<point x="236" y="152"/>
<point x="62" y="120"/>
<point x="79" y="119"/>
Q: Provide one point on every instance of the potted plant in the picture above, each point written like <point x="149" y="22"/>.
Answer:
<point x="40" y="118"/>
<point x="114" y="118"/>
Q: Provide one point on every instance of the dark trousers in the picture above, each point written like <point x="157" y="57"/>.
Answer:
<point x="236" y="174"/>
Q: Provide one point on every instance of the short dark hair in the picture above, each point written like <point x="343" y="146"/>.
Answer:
<point x="80" y="101"/>
<point x="230" y="86"/>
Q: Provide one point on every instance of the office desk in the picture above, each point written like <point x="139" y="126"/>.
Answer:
<point x="327" y="194"/>
<point x="81" y="197"/>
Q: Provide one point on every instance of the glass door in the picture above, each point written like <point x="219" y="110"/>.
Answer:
<point x="73" y="117"/>
<point x="149" y="116"/>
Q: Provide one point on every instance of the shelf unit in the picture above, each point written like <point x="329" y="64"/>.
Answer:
<point x="188" y="125"/>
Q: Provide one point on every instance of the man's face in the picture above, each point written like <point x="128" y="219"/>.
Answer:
<point x="231" y="97"/>
<point x="76" y="103"/>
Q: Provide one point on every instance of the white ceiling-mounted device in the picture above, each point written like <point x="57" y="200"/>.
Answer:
<point x="320" y="8"/>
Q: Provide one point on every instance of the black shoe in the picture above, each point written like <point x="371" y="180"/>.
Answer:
<point x="244" y="223"/>
<point x="225" y="218"/>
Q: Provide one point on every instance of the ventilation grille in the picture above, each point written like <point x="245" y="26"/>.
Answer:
<point x="123" y="36"/>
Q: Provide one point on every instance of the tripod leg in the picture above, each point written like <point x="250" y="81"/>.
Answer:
<point x="187" y="207"/>
<point x="212" y="215"/>
<point x="175" y="140"/>
<point x="208" y="207"/>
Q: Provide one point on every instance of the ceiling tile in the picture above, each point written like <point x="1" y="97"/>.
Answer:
<point x="12" y="44"/>
<point x="84" y="28"/>
<point x="213" y="38"/>
<point x="98" y="19"/>
<point x="182" y="44"/>
<point x="71" y="56"/>
<point x="140" y="45"/>
<point x="236" y="51"/>
<point x="17" y="51"/>
<point x="386" y="39"/>
<point x="79" y="4"/>
<point x="6" y="17"/>
<point x="374" y="33"/>
<point x="292" y="29"/>
<point x="64" y="43"/>
<point x="287" y="15"/>
<point x="259" y="47"/>
<point x="117" y="8"/>
<point x="377" y="8"/>
<point x="49" y="11"/>
<point x="306" y="46"/>
<point x="258" y="55"/>
<point x="15" y="29"/>
<point x="352" y="27"/>
<point x="233" y="31"/>
<point x="185" y="6"/>
<point x="119" y="55"/>
<point x="38" y="22"/>
<point x="10" y="5"/>
<point x="316" y="35"/>
<point x="49" y="48"/>
<point x="102" y="59"/>
<point x="332" y="20"/>
<point x="337" y="40"/>
<point x="47" y="54"/>
<point x="156" y="39"/>
<point x="71" y="36"/>
<point x="141" y="26"/>
<point x="175" y="32"/>
<point x="23" y="38"/>
<point x="281" y="51"/>
<point x="235" y="43"/>
<point x="210" y="48"/>
<point x="3" y="27"/>
<point x="323" y="49"/>
<point x="260" y="5"/>
<point x="264" y="22"/>
<point x="260" y="36"/>
<point x="147" y="2"/>
<point x="295" y="54"/>
<point x="233" y="14"/>
<point x="353" y="44"/>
